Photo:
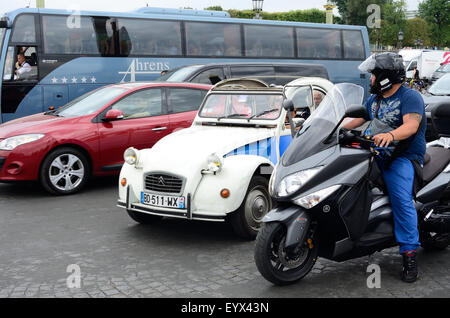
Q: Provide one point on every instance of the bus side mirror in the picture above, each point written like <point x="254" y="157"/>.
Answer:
<point x="113" y="114"/>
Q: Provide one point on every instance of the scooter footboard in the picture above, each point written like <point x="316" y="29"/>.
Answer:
<point x="296" y="220"/>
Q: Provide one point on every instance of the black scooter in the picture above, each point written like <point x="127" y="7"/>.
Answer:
<point x="330" y="200"/>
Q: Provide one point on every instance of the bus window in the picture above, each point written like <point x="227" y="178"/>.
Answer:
<point x="276" y="42"/>
<point x="319" y="43"/>
<point x="145" y="37"/>
<point x="353" y="45"/>
<point x="61" y="38"/>
<point x="24" y="29"/>
<point x="104" y="36"/>
<point x="26" y="64"/>
<point x="9" y="63"/>
<point x="213" y="39"/>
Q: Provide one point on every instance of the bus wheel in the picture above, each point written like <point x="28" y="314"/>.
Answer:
<point x="64" y="171"/>
<point x="246" y="221"/>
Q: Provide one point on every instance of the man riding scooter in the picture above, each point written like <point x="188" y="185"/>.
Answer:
<point x="397" y="114"/>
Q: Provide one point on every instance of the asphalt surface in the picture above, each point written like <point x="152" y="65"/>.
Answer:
<point x="42" y="237"/>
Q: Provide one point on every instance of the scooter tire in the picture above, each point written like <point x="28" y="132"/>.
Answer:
<point x="264" y="256"/>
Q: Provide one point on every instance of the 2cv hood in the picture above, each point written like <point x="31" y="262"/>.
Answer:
<point x="186" y="151"/>
<point x="201" y="141"/>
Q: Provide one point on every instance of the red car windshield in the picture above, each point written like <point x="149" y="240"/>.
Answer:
<point x="90" y="103"/>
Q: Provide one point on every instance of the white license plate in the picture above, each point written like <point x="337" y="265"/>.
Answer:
<point x="162" y="200"/>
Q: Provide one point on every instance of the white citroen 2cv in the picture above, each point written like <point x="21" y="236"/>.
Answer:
<point x="219" y="168"/>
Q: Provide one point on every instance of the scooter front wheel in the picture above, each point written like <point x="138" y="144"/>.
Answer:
<point x="275" y="263"/>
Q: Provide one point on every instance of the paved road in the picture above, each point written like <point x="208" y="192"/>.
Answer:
<point x="41" y="235"/>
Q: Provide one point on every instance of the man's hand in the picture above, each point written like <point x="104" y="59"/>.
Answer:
<point x="383" y="140"/>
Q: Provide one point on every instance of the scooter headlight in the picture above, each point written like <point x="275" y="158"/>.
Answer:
<point x="295" y="181"/>
<point x="311" y="200"/>
<point x="131" y="156"/>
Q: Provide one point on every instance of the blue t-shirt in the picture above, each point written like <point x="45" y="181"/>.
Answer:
<point x="391" y="112"/>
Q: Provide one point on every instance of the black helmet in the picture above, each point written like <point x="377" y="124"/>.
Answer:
<point x="388" y="69"/>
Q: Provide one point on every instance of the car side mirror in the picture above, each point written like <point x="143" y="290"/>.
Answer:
<point x="356" y="111"/>
<point x="113" y="114"/>
<point x="288" y="105"/>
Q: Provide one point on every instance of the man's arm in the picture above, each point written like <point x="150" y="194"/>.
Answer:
<point x="411" y="123"/>
<point x="354" y="123"/>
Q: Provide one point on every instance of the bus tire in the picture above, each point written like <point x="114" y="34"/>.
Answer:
<point x="64" y="171"/>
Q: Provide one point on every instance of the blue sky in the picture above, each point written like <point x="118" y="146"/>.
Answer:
<point x="129" y="5"/>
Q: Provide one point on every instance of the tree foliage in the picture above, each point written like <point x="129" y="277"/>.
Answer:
<point x="437" y="14"/>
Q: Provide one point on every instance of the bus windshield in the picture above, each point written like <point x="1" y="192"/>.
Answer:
<point x="90" y="102"/>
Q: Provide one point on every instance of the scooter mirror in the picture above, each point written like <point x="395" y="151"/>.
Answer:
<point x="356" y="111"/>
<point x="288" y="105"/>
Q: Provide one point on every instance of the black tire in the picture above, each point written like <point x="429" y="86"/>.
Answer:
<point x="246" y="220"/>
<point x="144" y="218"/>
<point x="276" y="268"/>
<point x="64" y="171"/>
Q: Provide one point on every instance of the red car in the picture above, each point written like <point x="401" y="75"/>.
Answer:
<point x="88" y="136"/>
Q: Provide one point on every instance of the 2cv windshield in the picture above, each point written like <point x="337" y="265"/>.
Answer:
<point x="311" y="138"/>
<point x="247" y="106"/>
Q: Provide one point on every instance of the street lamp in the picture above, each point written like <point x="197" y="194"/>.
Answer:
<point x="400" y="38"/>
<point x="257" y="7"/>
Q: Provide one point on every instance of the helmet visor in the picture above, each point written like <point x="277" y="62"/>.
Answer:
<point x="368" y="65"/>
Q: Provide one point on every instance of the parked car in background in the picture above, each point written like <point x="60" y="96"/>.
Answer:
<point x="441" y="71"/>
<point x="64" y="147"/>
<point x="219" y="168"/>
<point x="438" y="93"/>
<point x="271" y="73"/>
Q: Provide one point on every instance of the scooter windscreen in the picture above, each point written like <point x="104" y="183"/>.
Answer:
<point x="317" y="132"/>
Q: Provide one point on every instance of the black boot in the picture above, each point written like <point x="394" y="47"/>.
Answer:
<point x="410" y="272"/>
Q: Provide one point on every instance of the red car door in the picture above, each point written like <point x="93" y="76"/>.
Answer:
<point x="144" y="123"/>
<point x="183" y="104"/>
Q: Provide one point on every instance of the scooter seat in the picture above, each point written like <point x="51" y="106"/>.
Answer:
<point x="436" y="159"/>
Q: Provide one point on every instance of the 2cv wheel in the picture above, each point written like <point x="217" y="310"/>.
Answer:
<point x="246" y="220"/>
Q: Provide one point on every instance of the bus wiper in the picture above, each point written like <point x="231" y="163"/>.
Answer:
<point x="263" y="113"/>
<point x="231" y="116"/>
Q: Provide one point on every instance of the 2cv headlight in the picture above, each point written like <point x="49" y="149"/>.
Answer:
<point x="131" y="156"/>
<point x="214" y="163"/>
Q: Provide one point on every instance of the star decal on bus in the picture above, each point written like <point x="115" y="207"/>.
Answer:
<point x="54" y="80"/>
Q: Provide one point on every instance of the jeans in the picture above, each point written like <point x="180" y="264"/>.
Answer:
<point x="399" y="179"/>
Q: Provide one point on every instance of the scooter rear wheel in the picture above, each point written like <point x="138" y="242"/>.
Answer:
<point x="275" y="264"/>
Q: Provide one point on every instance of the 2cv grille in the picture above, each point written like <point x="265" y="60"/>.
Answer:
<point x="163" y="183"/>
